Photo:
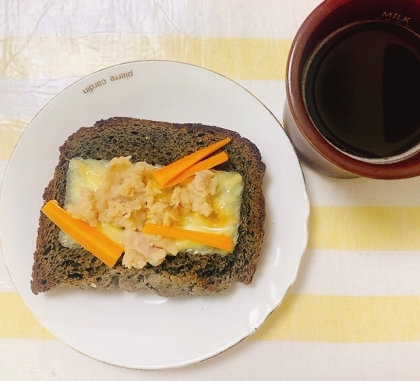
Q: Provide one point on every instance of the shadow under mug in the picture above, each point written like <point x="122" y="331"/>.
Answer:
<point x="313" y="145"/>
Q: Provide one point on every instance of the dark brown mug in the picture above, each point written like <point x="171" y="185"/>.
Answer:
<point x="353" y="89"/>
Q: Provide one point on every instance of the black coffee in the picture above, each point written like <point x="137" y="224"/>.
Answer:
<point x="362" y="89"/>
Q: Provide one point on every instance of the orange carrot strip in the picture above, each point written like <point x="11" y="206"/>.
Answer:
<point x="167" y="173"/>
<point x="211" y="162"/>
<point x="220" y="241"/>
<point x="87" y="236"/>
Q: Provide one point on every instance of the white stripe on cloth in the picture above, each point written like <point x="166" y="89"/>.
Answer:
<point x="291" y="361"/>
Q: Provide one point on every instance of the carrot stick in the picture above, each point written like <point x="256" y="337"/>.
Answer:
<point x="211" y="162"/>
<point x="220" y="241"/>
<point x="87" y="236"/>
<point x="166" y="174"/>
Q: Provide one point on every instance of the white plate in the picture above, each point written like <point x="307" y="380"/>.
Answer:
<point x="143" y="330"/>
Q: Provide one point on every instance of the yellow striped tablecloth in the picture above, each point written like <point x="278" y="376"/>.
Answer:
<point x="354" y="311"/>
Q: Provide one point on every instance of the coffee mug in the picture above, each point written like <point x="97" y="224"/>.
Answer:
<point x="353" y="89"/>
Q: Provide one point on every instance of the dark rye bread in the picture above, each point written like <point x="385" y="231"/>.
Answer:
<point x="156" y="143"/>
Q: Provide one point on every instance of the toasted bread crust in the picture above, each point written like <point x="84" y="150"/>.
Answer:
<point x="156" y="143"/>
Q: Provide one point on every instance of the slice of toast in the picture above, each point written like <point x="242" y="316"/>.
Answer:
<point x="157" y="143"/>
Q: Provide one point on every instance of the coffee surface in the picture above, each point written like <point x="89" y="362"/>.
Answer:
<point x="362" y="89"/>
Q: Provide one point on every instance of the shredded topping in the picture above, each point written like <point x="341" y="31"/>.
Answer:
<point x="128" y="197"/>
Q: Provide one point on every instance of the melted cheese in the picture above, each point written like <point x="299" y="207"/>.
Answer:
<point x="82" y="173"/>
<point x="225" y="202"/>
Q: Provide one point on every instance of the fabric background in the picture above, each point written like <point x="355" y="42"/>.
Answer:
<point x="354" y="311"/>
